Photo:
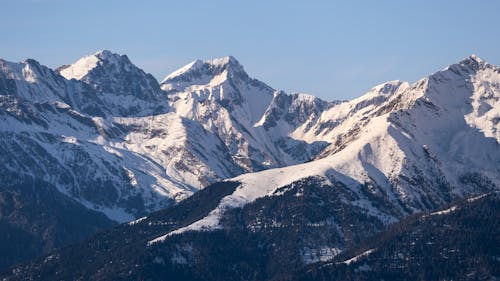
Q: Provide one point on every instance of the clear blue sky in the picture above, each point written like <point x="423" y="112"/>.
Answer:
<point x="332" y="49"/>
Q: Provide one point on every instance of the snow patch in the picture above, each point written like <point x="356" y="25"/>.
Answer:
<point x="319" y="255"/>
<point x="137" y="221"/>
<point x="444" y="212"/>
<point x="475" y="198"/>
<point x="358" y="257"/>
<point x="80" y="68"/>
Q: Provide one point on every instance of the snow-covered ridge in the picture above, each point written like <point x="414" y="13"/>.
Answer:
<point x="216" y="66"/>
<point x="212" y="121"/>
<point x="356" y="258"/>
<point x="193" y="66"/>
<point x="80" y="68"/>
<point x="84" y="65"/>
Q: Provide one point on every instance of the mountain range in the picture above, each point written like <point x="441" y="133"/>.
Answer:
<point x="292" y="180"/>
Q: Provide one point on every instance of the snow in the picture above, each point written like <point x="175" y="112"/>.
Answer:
<point x="219" y="95"/>
<point x="475" y="198"/>
<point x="115" y="213"/>
<point x="193" y="66"/>
<point x="319" y="255"/>
<point x="444" y="212"/>
<point x="134" y="222"/>
<point x="455" y="208"/>
<point x="71" y="140"/>
<point x="223" y="61"/>
<point x="358" y="257"/>
<point x="80" y="68"/>
<point x="486" y="103"/>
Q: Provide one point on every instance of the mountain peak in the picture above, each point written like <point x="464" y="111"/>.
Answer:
<point x="112" y="75"/>
<point x="224" y="61"/>
<point x="387" y="88"/>
<point x="229" y="63"/>
<point x="466" y="66"/>
<point x="108" y="56"/>
<point x="474" y="58"/>
<point x="86" y="64"/>
<point x="192" y="66"/>
<point x="199" y="69"/>
<point x="474" y="63"/>
<point x="104" y="53"/>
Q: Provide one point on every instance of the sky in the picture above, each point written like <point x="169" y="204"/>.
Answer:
<point x="331" y="49"/>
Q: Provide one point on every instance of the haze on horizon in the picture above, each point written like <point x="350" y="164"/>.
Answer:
<point x="332" y="49"/>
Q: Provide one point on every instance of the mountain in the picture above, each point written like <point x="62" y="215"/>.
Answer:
<point x="407" y="149"/>
<point x="221" y="96"/>
<point x="102" y="134"/>
<point x="305" y="179"/>
<point x="289" y="118"/>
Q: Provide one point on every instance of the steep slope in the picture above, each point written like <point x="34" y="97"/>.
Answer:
<point x="61" y="132"/>
<point x="191" y="156"/>
<point x="287" y="120"/>
<point x="221" y="96"/>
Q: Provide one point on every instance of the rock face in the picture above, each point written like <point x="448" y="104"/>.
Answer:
<point x="306" y="179"/>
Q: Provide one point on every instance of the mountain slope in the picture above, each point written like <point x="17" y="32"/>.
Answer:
<point x="457" y="243"/>
<point x="267" y="252"/>
<point x="53" y="143"/>
<point x="35" y="219"/>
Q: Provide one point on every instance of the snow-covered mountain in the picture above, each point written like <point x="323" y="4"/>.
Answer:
<point x="221" y="96"/>
<point x="104" y="133"/>
<point x="399" y="149"/>
<point x="141" y="145"/>
<point x="304" y="178"/>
